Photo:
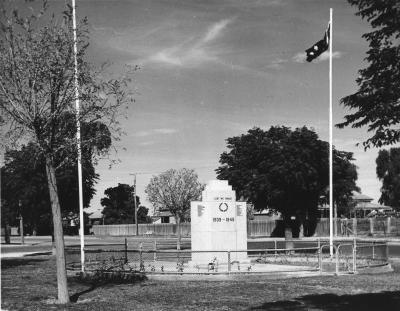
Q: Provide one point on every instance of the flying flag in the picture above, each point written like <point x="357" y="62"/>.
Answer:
<point x="318" y="48"/>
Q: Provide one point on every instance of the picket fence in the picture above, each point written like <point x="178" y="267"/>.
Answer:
<point x="265" y="228"/>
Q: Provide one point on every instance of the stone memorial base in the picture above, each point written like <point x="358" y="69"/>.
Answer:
<point x="218" y="225"/>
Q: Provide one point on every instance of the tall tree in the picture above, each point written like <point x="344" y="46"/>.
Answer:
<point x="376" y="104"/>
<point x="119" y="207"/>
<point x="25" y="181"/>
<point x="173" y="190"/>
<point x="37" y="94"/>
<point x="282" y="169"/>
<point x="344" y="182"/>
<point x="388" y="172"/>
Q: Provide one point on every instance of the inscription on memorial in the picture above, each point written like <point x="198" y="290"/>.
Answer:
<point x="222" y="198"/>
<point x="223" y="207"/>
<point x="221" y="219"/>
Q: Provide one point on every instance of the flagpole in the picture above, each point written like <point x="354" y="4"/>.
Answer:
<point x="78" y="140"/>
<point x="330" y="139"/>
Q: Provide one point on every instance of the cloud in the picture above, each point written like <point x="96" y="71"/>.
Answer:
<point x="215" y="30"/>
<point x="147" y="143"/>
<point x="162" y="131"/>
<point x="192" y="52"/>
<point x="301" y="57"/>
<point x="277" y="63"/>
<point x="257" y="3"/>
<point x="165" y="131"/>
<point x="142" y="133"/>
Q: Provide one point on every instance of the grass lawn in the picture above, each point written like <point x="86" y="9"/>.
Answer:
<point x="29" y="284"/>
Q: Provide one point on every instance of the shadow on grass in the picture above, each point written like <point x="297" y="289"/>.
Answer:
<point x="39" y="254"/>
<point x="15" y="262"/>
<point x="369" y="301"/>
<point x="102" y="279"/>
<point x="75" y="297"/>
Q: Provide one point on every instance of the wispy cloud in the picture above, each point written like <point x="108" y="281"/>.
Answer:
<point x="193" y="51"/>
<point x="162" y="131"/>
<point x="301" y="57"/>
<point x="165" y="131"/>
<point x="277" y="63"/>
<point x="215" y="30"/>
<point x="147" y="143"/>
<point x="108" y="30"/>
<point x="257" y="3"/>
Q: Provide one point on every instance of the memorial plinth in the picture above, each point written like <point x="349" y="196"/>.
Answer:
<point x="218" y="223"/>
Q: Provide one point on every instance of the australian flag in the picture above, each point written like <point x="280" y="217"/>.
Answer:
<point x="318" y="48"/>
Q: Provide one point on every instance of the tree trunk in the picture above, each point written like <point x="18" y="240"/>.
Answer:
<point x="63" y="296"/>
<point x="53" y="243"/>
<point x="178" y="228"/>
<point x="288" y="232"/>
<point x="7" y="230"/>
<point x="301" y="231"/>
<point x="300" y="222"/>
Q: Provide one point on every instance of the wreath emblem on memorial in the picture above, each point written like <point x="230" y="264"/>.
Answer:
<point x="223" y="207"/>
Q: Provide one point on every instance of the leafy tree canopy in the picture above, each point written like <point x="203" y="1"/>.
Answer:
<point x="25" y="177"/>
<point x="119" y="206"/>
<point x="173" y="190"/>
<point x="344" y="181"/>
<point x="284" y="169"/>
<point x="376" y="104"/>
<point x="388" y="172"/>
<point x="25" y="181"/>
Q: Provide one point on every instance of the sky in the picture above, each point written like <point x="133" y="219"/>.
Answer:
<point x="210" y="70"/>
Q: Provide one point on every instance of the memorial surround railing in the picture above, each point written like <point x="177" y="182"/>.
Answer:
<point x="350" y="256"/>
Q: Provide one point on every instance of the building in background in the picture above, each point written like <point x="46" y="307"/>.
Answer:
<point x="361" y="207"/>
<point x="365" y="208"/>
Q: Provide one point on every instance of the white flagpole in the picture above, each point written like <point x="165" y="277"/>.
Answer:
<point x="330" y="139"/>
<point x="78" y="141"/>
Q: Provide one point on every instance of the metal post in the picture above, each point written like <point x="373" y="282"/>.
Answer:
<point x="337" y="260"/>
<point x="354" y="256"/>
<point x="140" y="252"/>
<point x="354" y="226"/>
<point x="371" y="226"/>
<point x="335" y="215"/>
<point x="330" y="138"/>
<point x="373" y="249"/>
<point x="229" y="261"/>
<point x="21" y="223"/>
<point x="387" y="251"/>
<point x="21" y="229"/>
<point x="320" y="259"/>
<point x="155" y="250"/>
<point x="126" y="251"/>
<point x="78" y="139"/>
<point x="134" y="202"/>
<point x="275" y="246"/>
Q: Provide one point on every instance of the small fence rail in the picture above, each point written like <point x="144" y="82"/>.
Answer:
<point x="153" y="258"/>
